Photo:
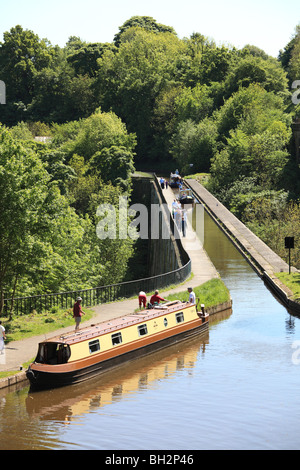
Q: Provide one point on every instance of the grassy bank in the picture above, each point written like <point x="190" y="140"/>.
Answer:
<point x="213" y="292"/>
<point x="292" y="281"/>
<point x="25" y="326"/>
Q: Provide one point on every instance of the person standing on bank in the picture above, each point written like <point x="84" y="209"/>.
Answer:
<point x="142" y="299"/>
<point x="77" y="313"/>
<point x="183" y="222"/>
<point x="2" y="337"/>
<point x="192" y="296"/>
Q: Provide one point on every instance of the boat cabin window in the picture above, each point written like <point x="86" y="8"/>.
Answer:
<point x="165" y="322"/>
<point x="179" y="317"/>
<point x="142" y="329"/>
<point x="53" y="353"/>
<point x="116" y="338"/>
<point x="94" y="346"/>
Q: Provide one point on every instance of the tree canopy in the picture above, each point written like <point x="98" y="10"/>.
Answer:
<point x="148" y="100"/>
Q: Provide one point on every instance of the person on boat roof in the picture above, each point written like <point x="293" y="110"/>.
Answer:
<point x="155" y="298"/>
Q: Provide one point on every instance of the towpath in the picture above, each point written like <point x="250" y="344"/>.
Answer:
<point x="18" y="352"/>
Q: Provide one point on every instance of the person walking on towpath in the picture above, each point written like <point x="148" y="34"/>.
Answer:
<point x="2" y="337"/>
<point x="175" y="206"/>
<point x="162" y="183"/>
<point x="183" y="222"/>
<point x="77" y="313"/>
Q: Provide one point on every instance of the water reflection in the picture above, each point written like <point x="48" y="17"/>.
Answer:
<point x="66" y="404"/>
<point x="22" y="412"/>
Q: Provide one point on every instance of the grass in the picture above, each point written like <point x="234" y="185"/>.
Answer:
<point x="34" y="324"/>
<point x="292" y="281"/>
<point x="200" y="177"/>
<point x="143" y="174"/>
<point x="9" y="373"/>
<point x="213" y="292"/>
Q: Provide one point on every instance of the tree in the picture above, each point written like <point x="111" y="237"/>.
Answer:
<point x="194" y="103"/>
<point x="255" y="134"/>
<point x="252" y="69"/>
<point x="254" y="108"/>
<point x="99" y="131"/>
<point x="294" y="63"/>
<point x="208" y="63"/>
<point x="194" y="144"/>
<point x="22" y="55"/>
<point x="285" y="56"/>
<point x="114" y="164"/>
<point x="130" y="81"/>
<point x="261" y="156"/>
<point x="84" y="60"/>
<point x="145" y="22"/>
<point x="39" y="233"/>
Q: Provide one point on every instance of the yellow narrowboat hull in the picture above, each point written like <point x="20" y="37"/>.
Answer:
<point x="82" y="366"/>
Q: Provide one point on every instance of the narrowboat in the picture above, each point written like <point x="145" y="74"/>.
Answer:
<point x="186" y="196"/>
<point x="78" y="356"/>
<point x="175" y="180"/>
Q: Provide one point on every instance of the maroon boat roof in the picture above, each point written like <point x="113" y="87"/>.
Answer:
<point x="116" y="323"/>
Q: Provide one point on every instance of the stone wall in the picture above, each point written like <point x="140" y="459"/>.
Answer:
<point x="165" y="251"/>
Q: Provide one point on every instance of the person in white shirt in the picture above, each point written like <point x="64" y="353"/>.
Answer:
<point x="2" y="337"/>
<point x="192" y="296"/>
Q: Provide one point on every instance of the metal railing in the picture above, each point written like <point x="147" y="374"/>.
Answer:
<point x="97" y="295"/>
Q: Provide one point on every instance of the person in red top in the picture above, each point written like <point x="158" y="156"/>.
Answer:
<point x="142" y="299"/>
<point x="77" y="312"/>
<point x="156" y="298"/>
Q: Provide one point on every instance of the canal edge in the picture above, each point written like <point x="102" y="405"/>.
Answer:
<point x="262" y="268"/>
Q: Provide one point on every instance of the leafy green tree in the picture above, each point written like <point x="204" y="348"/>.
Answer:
<point x="252" y="69"/>
<point x="114" y="164"/>
<point x="255" y="51"/>
<point x="294" y="63"/>
<point x="98" y="131"/>
<point x="208" y="63"/>
<point x="145" y="22"/>
<point x="130" y="81"/>
<point x="82" y="188"/>
<point x="84" y="59"/>
<point x="50" y="90"/>
<point x="262" y="156"/>
<point x="285" y="56"/>
<point x="163" y="124"/>
<point x="38" y="228"/>
<point x="22" y="55"/>
<point x="194" y="103"/>
<point x="194" y="144"/>
<point x="21" y="131"/>
<point x="254" y="108"/>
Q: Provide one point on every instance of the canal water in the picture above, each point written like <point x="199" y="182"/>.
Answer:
<point x="237" y="388"/>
